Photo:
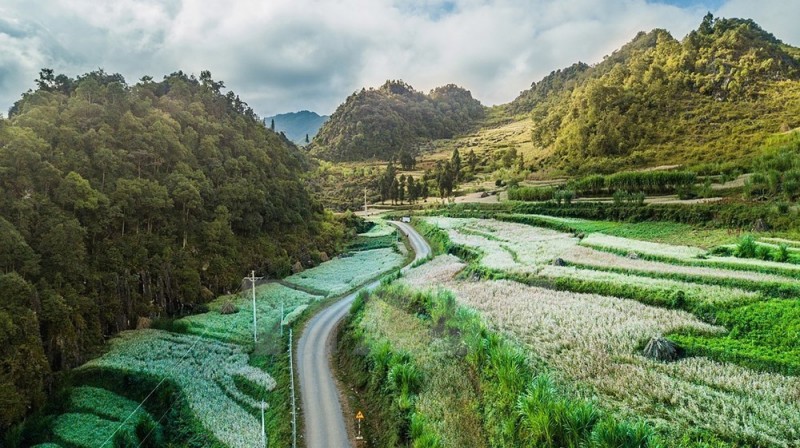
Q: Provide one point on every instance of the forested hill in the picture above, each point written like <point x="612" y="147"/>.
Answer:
<point x="120" y="203"/>
<point x="381" y="123"/>
<point x="714" y="96"/>
<point x="297" y="125"/>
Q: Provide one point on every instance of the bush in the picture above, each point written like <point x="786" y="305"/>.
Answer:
<point x="747" y="247"/>
<point x="783" y="253"/>
<point x="228" y="308"/>
<point x="763" y="253"/>
<point x="531" y="194"/>
<point x="613" y="434"/>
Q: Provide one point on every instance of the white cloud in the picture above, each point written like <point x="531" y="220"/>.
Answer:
<point x="282" y="55"/>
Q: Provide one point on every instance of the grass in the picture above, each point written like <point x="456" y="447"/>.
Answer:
<point x="477" y="390"/>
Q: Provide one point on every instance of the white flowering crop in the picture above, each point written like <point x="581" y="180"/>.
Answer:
<point x="594" y="340"/>
<point x="593" y="258"/>
<point x="345" y="273"/>
<point x="641" y="247"/>
<point x="204" y="370"/>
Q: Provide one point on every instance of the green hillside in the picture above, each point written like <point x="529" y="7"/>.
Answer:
<point x="712" y="97"/>
<point x="124" y="202"/>
<point x="381" y="123"/>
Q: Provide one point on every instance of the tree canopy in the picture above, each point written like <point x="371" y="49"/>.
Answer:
<point x="119" y="202"/>
<point x="393" y="119"/>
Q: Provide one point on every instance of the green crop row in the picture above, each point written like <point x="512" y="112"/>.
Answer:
<point x="763" y="335"/>
<point x="768" y="288"/>
<point x="726" y="214"/>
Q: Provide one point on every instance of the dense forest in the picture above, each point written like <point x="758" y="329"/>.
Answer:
<point x="713" y="96"/>
<point x="120" y="204"/>
<point x="394" y="119"/>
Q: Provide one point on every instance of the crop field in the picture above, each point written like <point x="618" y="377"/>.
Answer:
<point x="735" y="383"/>
<point x="205" y="370"/>
<point x="209" y="358"/>
<point x="237" y="327"/>
<point x="525" y="249"/>
<point x="344" y="273"/>
<point x="94" y="415"/>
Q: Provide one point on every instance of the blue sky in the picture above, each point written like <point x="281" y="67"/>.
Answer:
<point x="288" y="55"/>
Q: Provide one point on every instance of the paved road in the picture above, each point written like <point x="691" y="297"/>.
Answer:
<point x="324" y="420"/>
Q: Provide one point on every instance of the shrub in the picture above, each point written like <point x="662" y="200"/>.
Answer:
<point x="783" y="253"/>
<point x="228" y="308"/>
<point x="763" y="253"/>
<point x="747" y="247"/>
<point x="613" y="434"/>
<point x="531" y="193"/>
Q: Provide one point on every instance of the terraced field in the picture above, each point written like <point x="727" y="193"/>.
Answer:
<point x="206" y="371"/>
<point x="586" y="306"/>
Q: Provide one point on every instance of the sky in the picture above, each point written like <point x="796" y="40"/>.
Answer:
<point x="289" y="55"/>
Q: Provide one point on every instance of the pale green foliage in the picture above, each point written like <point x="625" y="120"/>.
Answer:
<point x="347" y="272"/>
<point x="85" y="430"/>
<point x="238" y="327"/>
<point x="204" y="370"/>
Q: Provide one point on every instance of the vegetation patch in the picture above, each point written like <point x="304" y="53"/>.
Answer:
<point x="763" y="336"/>
<point x="478" y="388"/>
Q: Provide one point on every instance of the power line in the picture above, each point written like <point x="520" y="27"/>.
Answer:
<point x="198" y="338"/>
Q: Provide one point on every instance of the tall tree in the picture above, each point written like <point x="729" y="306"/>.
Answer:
<point x="455" y="164"/>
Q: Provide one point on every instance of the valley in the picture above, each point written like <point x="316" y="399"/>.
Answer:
<point x="610" y="259"/>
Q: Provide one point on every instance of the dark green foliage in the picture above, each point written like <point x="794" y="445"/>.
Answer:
<point x="727" y="214"/>
<point x="650" y="182"/>
<point x="23" y="365"/>
<point x="777" y="174"/>
<point x="393" y="119"/>
<point x="119" y="202"/>
<point x="538" y="194"/>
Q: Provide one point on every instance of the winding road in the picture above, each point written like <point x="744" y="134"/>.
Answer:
<point x="324" y="420"/>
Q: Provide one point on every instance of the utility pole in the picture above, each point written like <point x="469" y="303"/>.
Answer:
<point x="365" y="199"/>
<point x="255" y="328"/>
<point x="294" y="404"/>
<point x="281" y="318"/>
<point x="263" y="427"/>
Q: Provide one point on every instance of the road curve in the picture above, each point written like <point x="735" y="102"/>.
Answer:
<point x="324" y="419"/>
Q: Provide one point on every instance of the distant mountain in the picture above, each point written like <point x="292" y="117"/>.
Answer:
<point x="714" y="96"/>
<point x="381" y="123"/>
<point x="296" y="125"/>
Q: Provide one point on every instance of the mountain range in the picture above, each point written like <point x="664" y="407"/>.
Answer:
<point x="712" y="97"/>
<point x="297" y="125"/>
